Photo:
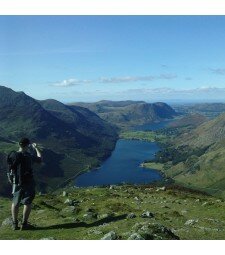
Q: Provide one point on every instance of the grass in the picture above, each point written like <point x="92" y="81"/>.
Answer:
<point x="149" y="136"/>
<point x="153" y="165"/>
<point x="172" y="208"/>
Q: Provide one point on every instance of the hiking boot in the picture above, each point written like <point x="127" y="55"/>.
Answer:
<point x="15" y="225"/>
<point x="26" y="226"/>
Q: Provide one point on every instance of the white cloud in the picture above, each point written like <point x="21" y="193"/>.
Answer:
<point x="125" y="79"/>
<point x="70" y="83"/>
<point x="138" y="78"/>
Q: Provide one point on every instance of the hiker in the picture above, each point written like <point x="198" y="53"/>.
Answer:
<point x="21" y="177"/>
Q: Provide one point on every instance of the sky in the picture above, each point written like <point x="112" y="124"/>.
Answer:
<point x="90" y="58"/>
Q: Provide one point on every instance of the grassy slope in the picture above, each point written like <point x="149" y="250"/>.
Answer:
<point x="171" y="208"/>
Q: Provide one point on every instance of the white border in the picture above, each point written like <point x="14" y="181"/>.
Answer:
<point x="115" y="7"/>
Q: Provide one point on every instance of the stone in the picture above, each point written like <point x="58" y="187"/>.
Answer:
<point x="205" y="203"/>
<point x="107" y="215"/>
<point x="147" y="214"/>
<point x="95" y="232"/>
<point x="47" y="238"/>
<point x="7" y="222"/>
<point x="90" y="216"/>
<point x="68" y="201"/>
<point x="135" y="236"/>
<point x="191" y="222"/>
<point x="131" y="216"/>
<point x="112" y="186"/>
<point x="110" y="236"/>
<point x="69" y="209"/>
<point x="161" y="189"/>
<point x="154" y="231"/>
<point x="64" y="194"/>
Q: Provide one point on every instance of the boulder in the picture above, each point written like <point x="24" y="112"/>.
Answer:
<point x="154" y="231"/>
<point x="110" y="236"/>
<point x="64" y="194"/>
<point x="69" y="209"/>
<point x="191" y="222"/>
<point x="161" y="189"/>
<point x="131" y="216"/>
<point x="95" y="232"/>
<point x="47" y="238"/>
<point x="71" y="202"/>
<point x="90" y="216"/>
<point x="7" y="222"/>
<point x="107" y="215"/>
<point x="135" y="236"/>
<point x="147" y="214"/>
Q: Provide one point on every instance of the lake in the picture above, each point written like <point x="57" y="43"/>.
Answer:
<point x="123" y="166"/>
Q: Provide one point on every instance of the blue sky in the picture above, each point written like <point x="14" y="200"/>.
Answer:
<point x="90" y="58"/>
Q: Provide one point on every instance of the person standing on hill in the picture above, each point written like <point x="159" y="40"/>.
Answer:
<point x="21" y="177"/>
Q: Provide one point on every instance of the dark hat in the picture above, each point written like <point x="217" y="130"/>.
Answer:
<point x="24" y="142"/>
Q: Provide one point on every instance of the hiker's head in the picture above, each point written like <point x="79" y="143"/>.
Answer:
<point x="24" y="143"/>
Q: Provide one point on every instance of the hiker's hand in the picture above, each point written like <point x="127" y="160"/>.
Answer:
<point x="34" y="145"/>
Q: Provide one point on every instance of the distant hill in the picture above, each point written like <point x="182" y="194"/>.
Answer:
<point x="125" y="114"/>
<point x="199" y="157"/>
<point x="190" y="120"/>
<point x="210" y="110"/>
<point x="73" y="138"/>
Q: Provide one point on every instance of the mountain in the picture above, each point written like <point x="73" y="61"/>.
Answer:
<point x="197" y="158"/>
<point x="126" y="114"/>
<point x="210" y="110"/>
<point x="191" y="120"/>
<point x="73" y="138"/>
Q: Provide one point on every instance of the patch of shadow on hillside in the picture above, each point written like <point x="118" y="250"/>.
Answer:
<point x="51" y="167"/>
<point x="84" y="224"/>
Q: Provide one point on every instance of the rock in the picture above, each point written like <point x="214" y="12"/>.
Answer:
<point x="205" y="203"/>
<point x="95" y="232"/>
<point x="7" y="222"/>
<point x="154" y="231"/>
<point x="131" y="216"/>
<point x="136" y="198"/>
<point x="47" y="238"/>
<point x="112" y="186"/>
<point x="147" y="214"/>
<point x="71" y="202"/>
<point x="90" y="210"/>
<point x="110" y="236"/>
<point x="190" y="222"/>
<point x="161" y="188"/>
<point x="135" y="236"/>
<point x="107" y="215"/>
<point x="68" y="201"/>
<point x="90" y="216"/>
<point x="64" y="194"/>
<point x="69" y="209"/>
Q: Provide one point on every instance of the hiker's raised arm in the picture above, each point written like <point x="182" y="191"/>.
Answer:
<point x="34" y="145"/>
